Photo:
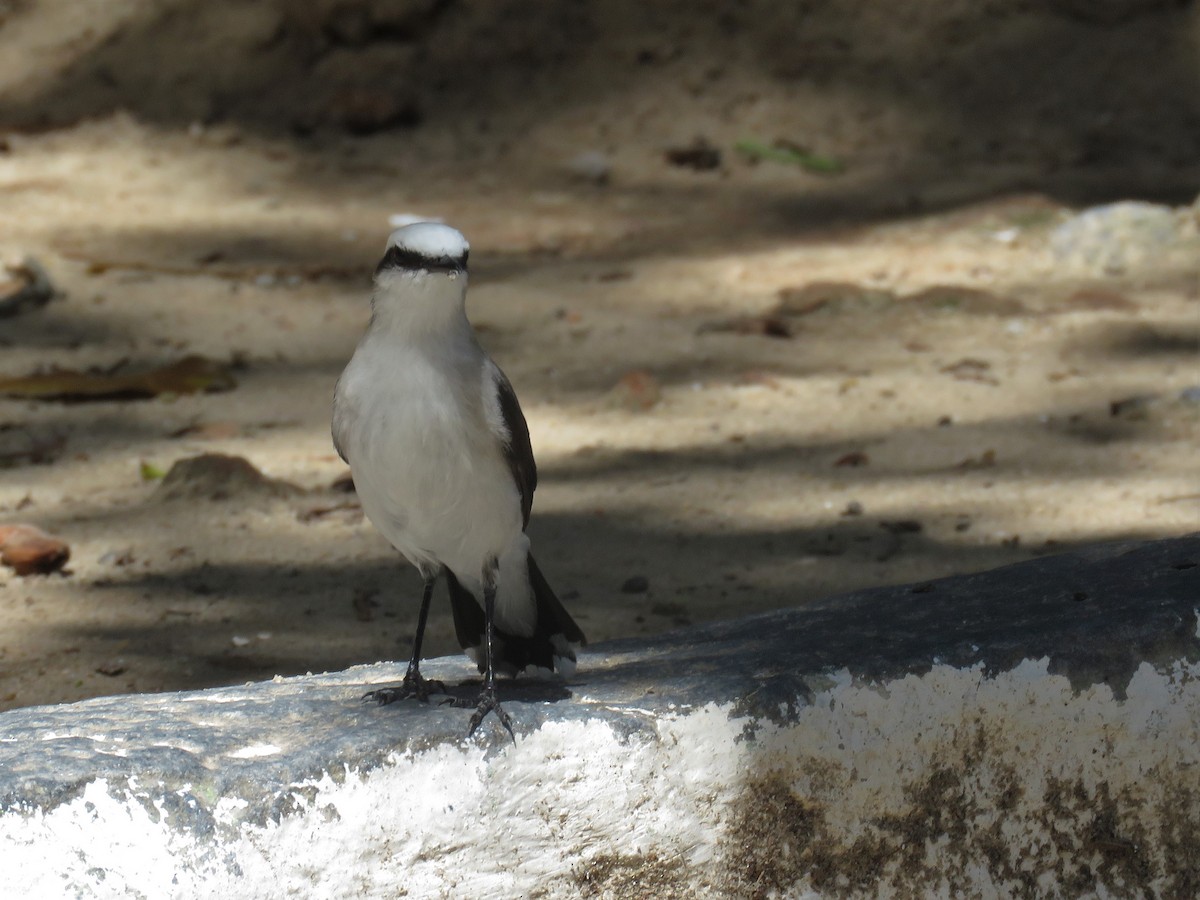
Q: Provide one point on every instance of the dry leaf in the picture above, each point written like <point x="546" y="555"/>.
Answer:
<point x="365" y="604"/>
<point x="319" y="512"/>
<point x="30" y="551"/>
<point x="854" y="458"/>
<point x="833" y="297"/>
<point x="985" y="460"/>
<point x="189" y="375"/>
<point x="208" y="431"/>
<point x="767" y="325"/>
<point x="970" y="369"/>
<point x="1100" y="299"/>
<point x="973" y="301"/>
<point x="758" y="377"/>
<point x="637" y="391"/>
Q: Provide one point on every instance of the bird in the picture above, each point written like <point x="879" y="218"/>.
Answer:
<point x="440" y="455"/>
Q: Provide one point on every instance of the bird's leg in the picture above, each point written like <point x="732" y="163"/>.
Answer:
<point x="413" y="684"/>
<point x="488" y="702"/>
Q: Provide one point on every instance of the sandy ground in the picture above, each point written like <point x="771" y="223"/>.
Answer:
<point x="884" y="432"/>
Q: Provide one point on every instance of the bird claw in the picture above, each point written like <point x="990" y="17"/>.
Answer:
<point x="413" y="685"/>
<point x="488" y="702"/>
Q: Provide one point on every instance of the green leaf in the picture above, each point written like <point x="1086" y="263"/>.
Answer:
<point x="151" y="472"/>
<point x="790" y="155"/>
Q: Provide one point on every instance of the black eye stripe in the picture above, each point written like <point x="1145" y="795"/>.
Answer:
<point x="403" y="258"/>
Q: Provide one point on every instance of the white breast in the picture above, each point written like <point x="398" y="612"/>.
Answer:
<point x="426" y="465"/>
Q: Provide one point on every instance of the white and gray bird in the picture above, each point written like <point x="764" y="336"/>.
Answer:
<point x="440" y="454"/>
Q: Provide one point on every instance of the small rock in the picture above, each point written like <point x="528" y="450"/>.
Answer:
<point x="902" y="526"/>
<point x="1113" y="238"/>
<point x="638" y="584"/>
<point x="1135" y="407"/>
<point x="591" y="165"/>
<point x="24" y="285"/>
<point x="30" y="551"/>
<point x="699" y="155"/>
<point x="215" y="476"/>
<point x="112" y="668"/>
<point x="117" y="557"/>
<point x="853" y="508"/>
<point x="365" y="110"/>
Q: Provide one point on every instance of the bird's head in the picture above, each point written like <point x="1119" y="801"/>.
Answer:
<point x="421" y="282"/>
<point x="424" y="247"/>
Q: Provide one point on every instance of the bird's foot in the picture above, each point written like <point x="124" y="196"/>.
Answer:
<point x="413" y="685"/>
<point x="488" y="702"/>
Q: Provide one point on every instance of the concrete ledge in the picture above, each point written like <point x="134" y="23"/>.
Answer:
<point x="1027" y="730"/>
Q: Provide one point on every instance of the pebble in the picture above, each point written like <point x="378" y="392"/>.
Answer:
<point x="591" y="165"/>
<point x="24" y="285"/>
<point x="1115" y="237"/>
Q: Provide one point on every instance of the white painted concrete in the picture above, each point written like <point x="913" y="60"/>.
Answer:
<point x="1035" y="781"/>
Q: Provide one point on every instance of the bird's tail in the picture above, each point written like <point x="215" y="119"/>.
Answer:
<point x="551" y="646"/>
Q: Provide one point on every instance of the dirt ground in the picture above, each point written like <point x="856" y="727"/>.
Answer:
<point x="749" y="385"/>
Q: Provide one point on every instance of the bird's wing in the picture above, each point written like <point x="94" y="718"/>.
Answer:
<point x="508" y="425"/>
<point x="340" y="423"/>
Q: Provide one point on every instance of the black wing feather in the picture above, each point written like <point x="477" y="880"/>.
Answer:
<point x="518" y="452"/>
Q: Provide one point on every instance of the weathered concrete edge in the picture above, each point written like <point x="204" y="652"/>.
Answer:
<point x="968" y="761"/>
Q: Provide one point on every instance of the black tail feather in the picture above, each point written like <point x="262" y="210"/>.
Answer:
<point x="515" y="653"/>
<point x="550" y="609"/>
